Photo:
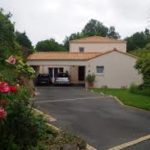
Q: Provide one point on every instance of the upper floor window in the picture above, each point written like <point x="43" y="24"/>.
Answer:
<point x="81" y="49"/>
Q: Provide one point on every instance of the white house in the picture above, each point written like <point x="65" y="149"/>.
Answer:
<point x="106" y="58"/>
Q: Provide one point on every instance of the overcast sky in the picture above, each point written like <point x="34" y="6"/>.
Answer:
<point x="44" y="19"/>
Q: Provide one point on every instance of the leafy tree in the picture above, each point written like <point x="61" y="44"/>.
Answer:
<point x="112" y="33"/>
<point x="138" y="40"/>
<point x="143" y="66"/>
<point x="23" y="40"/>
<point x="49" y="45"/>
<point x="7" y="37"/>
<point x="25" y="43"/>
<point x="94" y="27"/>
<point x="73" y="36"/>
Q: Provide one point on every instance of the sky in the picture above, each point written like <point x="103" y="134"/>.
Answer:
<point x="45" y="19"/>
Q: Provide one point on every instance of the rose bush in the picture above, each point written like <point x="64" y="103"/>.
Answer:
<point x="3" y="113"/>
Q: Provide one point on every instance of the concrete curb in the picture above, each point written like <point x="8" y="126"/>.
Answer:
<point x="51" y="119"/>
<point x="121" y="103"/>
<point x="131" y="143"/>
<point x="89" y="147"/>
<point x="47" y="117"/>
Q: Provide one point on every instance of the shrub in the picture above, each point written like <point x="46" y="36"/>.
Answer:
<point x="20" y="129"/>
<point x="90" y="78"/>
<point x="142" y="89"/>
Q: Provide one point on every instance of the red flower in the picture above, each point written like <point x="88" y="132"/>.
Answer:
<point x="11" y="60"/>
<point x="13" y="89"/>
<point x="3" y="113"/>
<point x="4" y="87"/>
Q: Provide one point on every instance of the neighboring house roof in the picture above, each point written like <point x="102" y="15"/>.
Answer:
<point x="70" y="55"/>
<point x="62" y="56"/>
<point x="97" y="39"/>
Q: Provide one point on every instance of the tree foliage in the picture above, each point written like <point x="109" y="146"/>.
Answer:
<point x="12" y="43"/>
<point x="23" y="40"/>
<point x="25" y="43"/>
<point x="143" y="66"/>
<point x="7" y="37"/>
<point x="93" y="27"/>
<point x="138" y="40"/>
<point x="49" y="45"/>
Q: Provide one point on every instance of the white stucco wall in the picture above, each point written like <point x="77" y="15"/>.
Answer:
<point x="97" y="47"/>
<point x="119" y="70"/>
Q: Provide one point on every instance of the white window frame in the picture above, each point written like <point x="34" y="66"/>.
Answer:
<point x="101" y="67"/>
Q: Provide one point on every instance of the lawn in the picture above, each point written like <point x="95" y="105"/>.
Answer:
<point x="128" y="98"/>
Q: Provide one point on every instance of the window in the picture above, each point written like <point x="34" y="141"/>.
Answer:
<point x="81" y="49"/>
<point x="100" y="69"/>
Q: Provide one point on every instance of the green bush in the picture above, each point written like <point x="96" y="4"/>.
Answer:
<point x="141" y="90"/>
<point x="90" y="78"/>
<point x="21" y="129"/>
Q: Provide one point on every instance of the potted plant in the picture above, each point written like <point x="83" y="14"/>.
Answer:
<point x="90" y="78"/>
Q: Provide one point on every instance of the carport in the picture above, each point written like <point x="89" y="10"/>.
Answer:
<point x="77" y="65"/>
<point x="75" y="69"/>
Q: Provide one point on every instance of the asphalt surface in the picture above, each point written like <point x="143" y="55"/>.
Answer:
<point x="145" y="145"/>
<point x="100" y="120"/>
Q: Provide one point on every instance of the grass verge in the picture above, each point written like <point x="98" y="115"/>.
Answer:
<point x="127" y="97"/>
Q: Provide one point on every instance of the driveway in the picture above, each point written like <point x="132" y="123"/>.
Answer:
<point x="100" y="120"/>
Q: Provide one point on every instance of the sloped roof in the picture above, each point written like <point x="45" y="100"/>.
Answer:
<point x="62" y="56"/>
<point x="97" y="39"/>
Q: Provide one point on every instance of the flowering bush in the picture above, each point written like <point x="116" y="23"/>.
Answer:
<point x="20" y="129"/>
<point x="3" y="113"/>
<point x="11" y="60"/>
<point x="4" y="89"/>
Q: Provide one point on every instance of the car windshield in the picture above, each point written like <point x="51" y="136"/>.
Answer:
<point x="44" y="75"/>
<point x="62" y="75"/>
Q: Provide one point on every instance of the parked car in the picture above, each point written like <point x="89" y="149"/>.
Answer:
<point x="43" y="79"/>
<point x="62" y="79"/>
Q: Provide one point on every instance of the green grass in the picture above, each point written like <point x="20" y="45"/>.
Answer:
<point x="128" y="98"/>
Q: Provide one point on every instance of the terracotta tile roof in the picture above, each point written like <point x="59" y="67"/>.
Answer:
<point x="62" y="56"/>
<point x="97" y="39"/>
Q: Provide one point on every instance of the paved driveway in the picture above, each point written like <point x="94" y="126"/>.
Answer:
<point x="102" y="121"/>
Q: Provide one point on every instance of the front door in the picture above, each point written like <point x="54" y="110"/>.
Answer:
<point x="81" y="73"/>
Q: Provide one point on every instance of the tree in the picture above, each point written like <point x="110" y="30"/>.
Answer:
<point x="7" y="37"/>
<point x="138" y="40"/>
<point x="112" y="33"/>
<point x="143" y="66"/>
<point x="23" y="40"/>
<point x="25" y="44"/>
<point x="49" y="45"/>
<point x="94" y="27"/>
<point x="73" y="36"/>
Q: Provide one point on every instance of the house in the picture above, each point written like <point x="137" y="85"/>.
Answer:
<point x="106" y="58"/>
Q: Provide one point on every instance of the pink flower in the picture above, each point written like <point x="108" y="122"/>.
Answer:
<point x="3" y="113"/>
<point x="11" y="60"/>
<point x="13" y="89"/>
<point x="4" y="87"/>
